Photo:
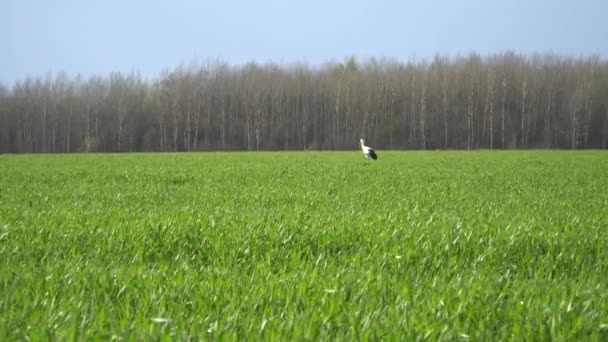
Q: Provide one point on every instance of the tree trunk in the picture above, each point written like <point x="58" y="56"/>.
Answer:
<point x="223" y="126"/>
<point x="188" y="127"/>
<point x="208" y="125"/>
<point x="196" y="124"/>
<point x="470" y="120"/>
<point x="69" y="132"/>
<point x="504" y="103"/>
<point x="337" y="119"/>
<point x="162" y="129"/>
<point x="489" y="109"/>
<point x="257" y="130"/>
<point x="248" y="133"/>
<point x="444" y="88"/>
<point x="44" y="128"/>
<point x="573" y="127"/>
<point x="523" y="111"/>
<point x="548" y="113"/>
<point x="272" y="118"/>
<point x="304" y="122"/>
<point x="53" y="136"/>
<point x="88" y="132"/>
<point x="492" y="125"/>
<point x="412" y="140"/>
<point x="175" y="130"/>
<point x="605" y="139"/>
<point x="491" y="86"/>
<point x="422" y="116"/>
<point x="120" y="123"/>
<point x="96" y="126"/>
<point x="587" y="124"/>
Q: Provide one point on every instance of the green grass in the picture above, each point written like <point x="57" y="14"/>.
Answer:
<point x="306" y="246"/>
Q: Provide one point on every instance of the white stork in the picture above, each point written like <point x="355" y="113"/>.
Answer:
<point x="368" y="152"/>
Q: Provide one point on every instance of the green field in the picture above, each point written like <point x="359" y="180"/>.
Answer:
<point x="305" y="246"/>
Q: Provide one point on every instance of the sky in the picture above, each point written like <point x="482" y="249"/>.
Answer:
<point x="97" y="37"/>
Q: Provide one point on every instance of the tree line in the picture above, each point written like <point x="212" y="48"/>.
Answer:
<point x="501" y="101"/>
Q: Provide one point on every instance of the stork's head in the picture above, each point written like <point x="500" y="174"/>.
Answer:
<point x="362" y="142"/>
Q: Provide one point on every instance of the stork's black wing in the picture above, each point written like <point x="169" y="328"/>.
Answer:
<point x="372" y="154"/>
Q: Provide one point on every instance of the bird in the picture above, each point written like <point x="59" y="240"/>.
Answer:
<point x="368" y="152"/>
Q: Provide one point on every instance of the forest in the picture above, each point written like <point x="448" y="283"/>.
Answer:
<point x="500" y="101"/>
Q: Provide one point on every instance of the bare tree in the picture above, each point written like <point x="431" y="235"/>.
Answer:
<point x="489" y="106"/>
<point x="502" y="101"/>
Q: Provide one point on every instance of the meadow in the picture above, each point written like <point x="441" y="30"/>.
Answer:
<point x="305" y="246"/>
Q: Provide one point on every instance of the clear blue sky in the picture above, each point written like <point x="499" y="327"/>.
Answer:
<point x="98" y="37"/>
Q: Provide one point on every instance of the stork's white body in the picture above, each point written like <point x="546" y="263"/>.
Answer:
<point x="368" y="152"/>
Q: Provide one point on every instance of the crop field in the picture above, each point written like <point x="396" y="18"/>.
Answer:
<point x="305" y="246"/>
